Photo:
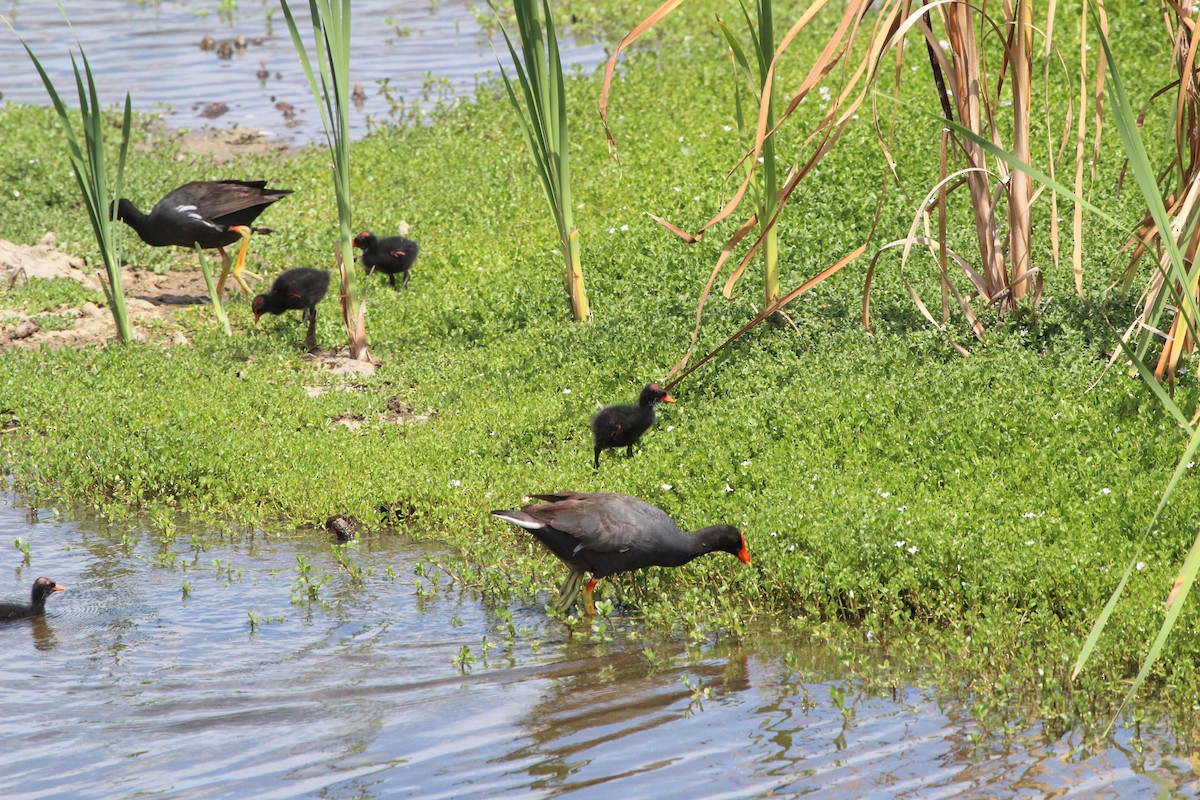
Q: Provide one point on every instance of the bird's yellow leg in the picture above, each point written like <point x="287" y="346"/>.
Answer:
<point x="241" y="258"/>
<point x="569" y="591"/>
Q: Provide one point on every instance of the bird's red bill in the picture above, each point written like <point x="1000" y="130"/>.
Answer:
<point x="668" y="399"/>
<point x="744" y="554"/>
<point x="58" y="587"/>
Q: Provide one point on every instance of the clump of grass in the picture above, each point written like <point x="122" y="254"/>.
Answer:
<point x="89" y="166"/>
<point x="544" y="124"/>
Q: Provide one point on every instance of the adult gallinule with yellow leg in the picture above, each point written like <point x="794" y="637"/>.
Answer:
<point x="299" y="288"/>
<point x="212" y="214"/>
<point x="606" y="533"/>
<point x="623" y="425"/>
<point x="42" y="588"/>
<point x="389" y="256"/>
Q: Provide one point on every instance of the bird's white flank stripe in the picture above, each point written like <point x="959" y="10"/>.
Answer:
<point x="523" y="521"/>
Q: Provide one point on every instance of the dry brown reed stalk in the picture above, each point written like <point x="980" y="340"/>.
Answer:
<point x="987" y="54"/>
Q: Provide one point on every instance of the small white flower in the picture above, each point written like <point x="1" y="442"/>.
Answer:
<point x="791" y="548"/>
<point x="1106" y="490"/>
<point x="566" y="391"/>
<point x="912" y="550"/>
<point x="681" y="138"/>
<point x="579" y="207"/>
<point x="16" y="192"/>
<point x="728" y="488"/>
<point x="1028" y="515"/>
<point x="670" y="428"/>
<point x="456" y="483"/>
<point x="666" y="487"/>
<point x="728" y="128"/>
<point x="612" y="230"/>
<point x="487" y="495"/>
<point x="1141" y="565"/>
<point x="1191" y="464"/>
<point x="676" y="189"/>
<point x="624" y="227"/>
<point x="745" y="463"/>
<point x="1029" y="542"/>
<point x="900" y="543"/>
<point x="902" y="509"/>
<point x="883" y="494"/>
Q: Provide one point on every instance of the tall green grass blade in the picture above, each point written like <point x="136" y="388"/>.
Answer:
<point x="1015" y="163"/>
<point x="213" y="294"/>
<point x="735" y="47"/>
<point x="330" y="86"/>
<point x="89" y="168"/>
<point x="1181" y="467"/>
<point x="544" y="125"/>
<point x="1184" y="585"/>
<point x="1144" y="174"/>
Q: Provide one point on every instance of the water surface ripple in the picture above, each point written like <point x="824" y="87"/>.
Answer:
<point x="429" y="49"/>
<point x="129" y="689"/>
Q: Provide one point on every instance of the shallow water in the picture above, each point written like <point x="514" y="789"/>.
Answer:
<point x="151" y="48"/>
<point x="127" y="688"/>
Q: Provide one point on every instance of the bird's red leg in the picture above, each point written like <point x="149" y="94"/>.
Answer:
<point x="588" y="602"/>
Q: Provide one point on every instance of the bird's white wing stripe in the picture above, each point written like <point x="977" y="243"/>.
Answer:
<point x="191" y="212"/>
<point x="523" y="521"/>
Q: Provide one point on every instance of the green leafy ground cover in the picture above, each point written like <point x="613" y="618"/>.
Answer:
<point x="967" y="513"/>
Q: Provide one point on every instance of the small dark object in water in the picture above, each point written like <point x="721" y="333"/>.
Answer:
<point x="263" y="73"/>
<point x="389" y="256"/>
<point x="623" y="425"/>
<point x="299" y="288"/>
<point x="606" y="533"/>
<point x="214" y="110"/>
<point x="42" y="588"/>
<point x="208" y="43"/>
<point x="344" y="527"/>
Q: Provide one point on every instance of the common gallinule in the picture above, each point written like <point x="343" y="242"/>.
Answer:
<point x="623" y="425"/>
<point x="212" y="214"/>
<point x="606" y="533"/>
<point x="389" y="256"/>
<point x="42" y="588"/>
<point x="298" y="288"/>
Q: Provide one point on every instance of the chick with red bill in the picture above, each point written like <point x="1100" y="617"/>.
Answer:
<point x="301" y="289"/>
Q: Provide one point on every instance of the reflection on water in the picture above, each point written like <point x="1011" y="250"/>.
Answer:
<point x="146" y="677"/>
<point x="220" y="64"/>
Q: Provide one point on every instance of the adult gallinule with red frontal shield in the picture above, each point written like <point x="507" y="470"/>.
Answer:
<point x="606" y="533"/>
<point x="212" y="214"/>
<point x="42" y="588"/>
<point x="623" y="425"/>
